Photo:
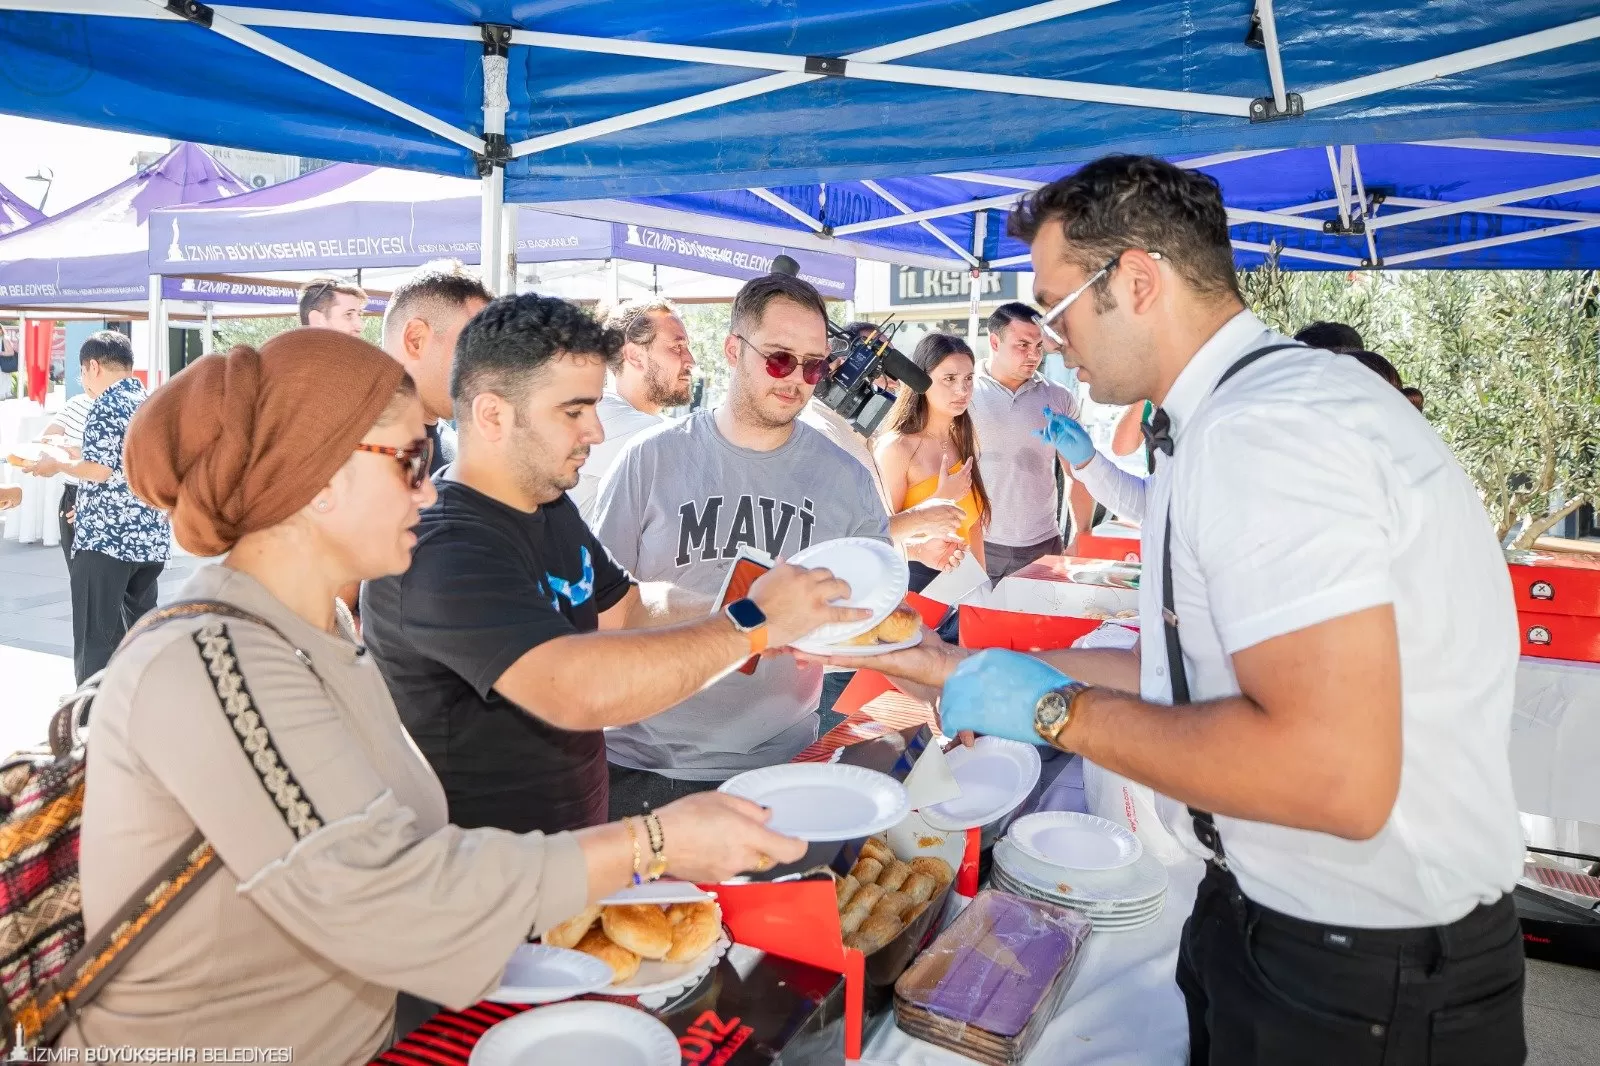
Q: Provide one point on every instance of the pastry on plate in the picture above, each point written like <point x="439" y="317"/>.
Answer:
<point x="569" y="932"/>
<point x="875" y="933"/>
<point x="641" y="928"/>
<point x="624" y="963"/>
<point x="901" y="625"/>
<point x="894" y="875"/>
<point x="873" y="848"/>
<point x="934" y="867"/>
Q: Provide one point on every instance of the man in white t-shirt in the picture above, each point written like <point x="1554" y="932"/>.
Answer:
<point x="653" y="371"/>
<point x="1328" y="659"/>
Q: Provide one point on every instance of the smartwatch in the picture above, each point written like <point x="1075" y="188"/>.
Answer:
<point x="750" y="620"/>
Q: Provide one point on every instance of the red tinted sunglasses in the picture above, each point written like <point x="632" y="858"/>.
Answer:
<point x="781" y="364"/>
<point x="415" y="457"/>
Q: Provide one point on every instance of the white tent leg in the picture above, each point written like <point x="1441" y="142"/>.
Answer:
<point x="156" y="369"/>
<point x="211" y="325"/>
<point x="491" y="238"/>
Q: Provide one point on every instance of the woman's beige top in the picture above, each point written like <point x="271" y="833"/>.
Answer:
<point x="343" y="880"/>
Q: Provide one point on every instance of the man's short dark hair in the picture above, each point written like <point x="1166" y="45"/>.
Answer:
<point x="1332" y="336"/>
<point x="1120" y="202"/>
<point x="1004" y="315"/>
<point x="442" y="284"/>
<point x="108" y="348"/>
<point x="750" y="306"/>
<point x="635" y="321"/>
<point x="318" y="294"/>
<point x="508" y="344"/>
<point x="1379" y="366"/>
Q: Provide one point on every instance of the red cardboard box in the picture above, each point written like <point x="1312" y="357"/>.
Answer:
<point x="1560" y="636"/>
<point x="1556" y="582"/>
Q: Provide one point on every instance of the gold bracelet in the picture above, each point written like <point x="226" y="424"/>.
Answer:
<point x="658" y="847"/>
<point x="638" y="858"/>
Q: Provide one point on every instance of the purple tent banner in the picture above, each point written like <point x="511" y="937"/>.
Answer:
<point x="833" y="275"/>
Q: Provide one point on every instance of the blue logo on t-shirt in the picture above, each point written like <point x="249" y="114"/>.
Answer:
<point x="576" y="593"/>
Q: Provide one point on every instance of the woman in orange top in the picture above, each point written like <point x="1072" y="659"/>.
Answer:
<point x="928" y="446"/>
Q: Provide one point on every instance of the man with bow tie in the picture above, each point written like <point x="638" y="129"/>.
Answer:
<point x="1324" y="687"/>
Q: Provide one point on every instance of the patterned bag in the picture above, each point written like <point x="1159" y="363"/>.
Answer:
<point x="47" y="972"/>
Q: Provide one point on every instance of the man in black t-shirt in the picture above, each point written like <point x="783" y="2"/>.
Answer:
<point x="514" y="639"/>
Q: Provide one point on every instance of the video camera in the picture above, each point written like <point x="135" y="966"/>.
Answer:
<point x="860" y="358"/>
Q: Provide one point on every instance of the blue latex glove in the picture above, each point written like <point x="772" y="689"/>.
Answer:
<point x="1066" y="437"/>
<point x="994" y="693"/>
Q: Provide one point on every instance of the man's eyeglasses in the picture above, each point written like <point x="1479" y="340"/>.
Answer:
<point x="1072" y="297"/>
<point x="415" y="457"/>
<point x="781" y="364"/>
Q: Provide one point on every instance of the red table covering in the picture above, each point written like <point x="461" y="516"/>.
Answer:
<point x="448" y="1037"/>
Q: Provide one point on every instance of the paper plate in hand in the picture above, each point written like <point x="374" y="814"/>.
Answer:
<point x="1075" y="841"/>
<point x="657" y="982"/>
<point x="579" y="1034"/>
<point x="662" y="892"/>
<point x="844" y="651"/>
<point x="878" y="579"/>
<point x="995" y="776"/>
<point x="540" y="974"/>
<point x="823" y="801"/>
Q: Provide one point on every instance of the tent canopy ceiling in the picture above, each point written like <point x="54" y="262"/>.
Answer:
<point x="606" y="98"/>
<point x="1506" y="203"/>
<point x="15" y="212"/>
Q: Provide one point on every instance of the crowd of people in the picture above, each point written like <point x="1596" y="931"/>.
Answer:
<point x="530" y="700"/>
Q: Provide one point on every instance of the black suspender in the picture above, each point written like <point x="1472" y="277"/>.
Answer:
<point x="1205" y="827"/>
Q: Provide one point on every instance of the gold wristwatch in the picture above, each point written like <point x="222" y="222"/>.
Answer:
<point x="1054" y="710"/>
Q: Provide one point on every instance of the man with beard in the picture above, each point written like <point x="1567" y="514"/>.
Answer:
<point x="685" y="497"/>
<point x="515" y="638"/>
<point x="652" y="370"/>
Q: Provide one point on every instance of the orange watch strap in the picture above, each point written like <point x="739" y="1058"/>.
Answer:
<point x="758" y="639"/>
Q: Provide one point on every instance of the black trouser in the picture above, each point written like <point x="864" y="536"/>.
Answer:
<point x="69" y="500"/>
<point x="1003" y="560"/>
<point x="108" y="596"/>
<point x="633" y="792"/>
<point x="1265" y="988"/>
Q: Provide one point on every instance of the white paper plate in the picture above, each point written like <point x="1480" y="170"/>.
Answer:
<point x="823" y="801"/>
<point x="878" y="579"/>
<point x="659" y="892"/>
<point x="1129" y="886"/>
<point x="657" y="982"/>
<point x="578" y="1034"/>
<point x="995" y="776"/>
<point x="865" y="650"/>
<point x="1075" y="841"/>
<point x="541" y="974"/>
<point x="1119" y="921"/>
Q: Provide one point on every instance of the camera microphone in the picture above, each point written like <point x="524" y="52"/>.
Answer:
<point x="905" y="371"/>
<point x="783" y="264"/>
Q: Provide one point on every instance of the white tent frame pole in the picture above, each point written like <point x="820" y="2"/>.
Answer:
<point x="1515" y="212"/>
<point x="787" y="208"/>
<point x="206" y="340"/>
<point x="922" y="216"/>
<point x="1478" y="203"/>
<point x="1491" y="242"/>
<point x="1455" y="63"/>
<point x="999" y="181"/>
<point x="1239" y="215"/>
<point x="1269" y="37"/>
<point x="1298" y="253"/>
<point x="491" y="231"/>
<point x="1338" y="187"/>
<point x="256" y="42"/>
<point x="156" y="315"/>
<point x="1011" y="260"/>
<point x="1361" y="201"/>
<point x="938" y="235"/>
<point x="1491" y="144"/>
<point x="980" y="235"/>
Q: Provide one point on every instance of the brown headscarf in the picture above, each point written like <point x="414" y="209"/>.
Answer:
<point x="237" y="443"/>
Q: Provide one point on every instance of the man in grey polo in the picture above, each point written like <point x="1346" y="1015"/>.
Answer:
<point x="1009" y="397"/>
<point x="684" y="497"/>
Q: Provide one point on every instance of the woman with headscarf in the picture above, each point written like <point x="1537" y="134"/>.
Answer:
<point x="341" y="879"/>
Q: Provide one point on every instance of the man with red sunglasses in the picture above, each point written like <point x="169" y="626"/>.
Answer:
<point x="685" y="497"/>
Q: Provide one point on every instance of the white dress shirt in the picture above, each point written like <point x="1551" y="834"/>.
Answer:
<point x="1117" y="490"/>
<point x="622" y="422"/>
<point x="1307" y="489"/>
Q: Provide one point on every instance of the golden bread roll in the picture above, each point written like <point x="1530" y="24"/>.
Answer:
<point x="624" y="963"/>
<point x="865" y="640"/>
<point x="568" y="933"/>
<point x="16" y="460"/>
<point x="873" y="848"/>
<point x="916" y="912"/>
<point x="894" y="875"/>
<point x="903" y="624"/>
<point x="844" y="889"/>
<point x="875" y="933"/>
<point x="853" y="916"/>
<point x="867" y="896"/>
<point x="920" y="888"/>
<point x="641" y="928"/>
<point x="866" y="871"/>
<point x="894" y="904"/>
<point x="935" y="868"/>
<point x="695" y="927"/>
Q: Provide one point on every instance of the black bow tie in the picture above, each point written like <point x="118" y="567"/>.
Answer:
<point x="1158" y="432"/>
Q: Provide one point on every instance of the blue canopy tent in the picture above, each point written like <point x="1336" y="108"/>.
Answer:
<point x="606" y="98"/>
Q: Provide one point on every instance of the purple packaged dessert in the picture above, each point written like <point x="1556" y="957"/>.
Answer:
<point x="990" y="983"/>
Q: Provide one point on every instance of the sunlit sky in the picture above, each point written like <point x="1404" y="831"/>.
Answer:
<point x="85" y="161"/>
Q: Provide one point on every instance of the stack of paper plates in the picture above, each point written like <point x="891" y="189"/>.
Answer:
<point x="1083" y="862"/>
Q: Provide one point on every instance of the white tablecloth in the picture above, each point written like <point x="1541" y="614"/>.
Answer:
<point x="22" y="421"/>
